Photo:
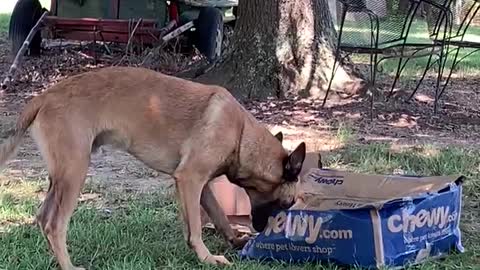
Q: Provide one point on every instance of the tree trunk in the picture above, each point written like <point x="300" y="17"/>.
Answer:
<point x="403" y="6"/>
<point x="283" y="47"/>
<point x="458" y="12"/>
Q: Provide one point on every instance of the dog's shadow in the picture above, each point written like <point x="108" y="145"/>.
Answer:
<point x="134" y="234"/>
<point x="141" y="233"/>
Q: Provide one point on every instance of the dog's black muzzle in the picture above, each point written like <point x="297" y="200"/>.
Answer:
<point x="261" y="213"/>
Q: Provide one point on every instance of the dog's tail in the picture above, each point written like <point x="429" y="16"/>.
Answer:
<point x="10" y="145"/>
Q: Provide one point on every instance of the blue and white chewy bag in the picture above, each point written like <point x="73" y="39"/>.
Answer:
<point x="370" y="221"/>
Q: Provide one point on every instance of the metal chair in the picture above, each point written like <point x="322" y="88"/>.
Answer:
<point x="459" y="17"/>
<point x="386" y="34"/>
<point x="438" y="22"/>
<point x="376" y="30"/>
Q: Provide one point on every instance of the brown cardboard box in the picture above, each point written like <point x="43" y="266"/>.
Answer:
<point x="234" y="200"/>
<point x="323" y="190"/>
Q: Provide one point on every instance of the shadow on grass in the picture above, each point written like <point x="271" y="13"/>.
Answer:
<point x="457" y="120"/>
<point x="144" y="232"/>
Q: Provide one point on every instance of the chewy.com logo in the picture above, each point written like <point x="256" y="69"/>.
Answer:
<point x="329" y="180"/>
<point x="309" y="227"/>
<point x="408" y="223"/>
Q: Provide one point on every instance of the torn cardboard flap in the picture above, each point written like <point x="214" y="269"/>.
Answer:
<point x="235" y="202"/>
<point x="330" y="189"/>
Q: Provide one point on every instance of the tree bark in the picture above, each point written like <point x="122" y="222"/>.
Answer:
<point x="403" y="6"/>
<point x="281" y="48"/>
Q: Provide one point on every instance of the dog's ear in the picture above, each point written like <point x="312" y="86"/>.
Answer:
<point x="294" y="162"/>
<point x="279" y="136"/>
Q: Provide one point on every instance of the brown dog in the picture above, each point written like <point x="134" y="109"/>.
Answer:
<point x="191" y="131"/>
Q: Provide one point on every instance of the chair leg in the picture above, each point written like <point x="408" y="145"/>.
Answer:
<point x="427" y="67"/>
<point x="439" y="79"/>
<point x="337" y="55"/>
<point x="406" y="29"/>
<point x="372" y="98"/>
<point x="454" y="64"/>
<point x="374" y="26"/>
<point x="397" y="77"/>
<point x="374" y="65"/>
<point x="337" y="52"/>
<point x="441" y="64"/>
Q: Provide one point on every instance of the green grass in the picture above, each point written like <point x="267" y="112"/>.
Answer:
<point x="145" y="233"/>
<point x="4" y="21"/>
<point x="358" y="33"/>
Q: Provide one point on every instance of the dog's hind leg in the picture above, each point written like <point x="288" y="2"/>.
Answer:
<point x="67" y="163"/>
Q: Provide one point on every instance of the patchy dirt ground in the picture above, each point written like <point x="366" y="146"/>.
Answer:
<point x="109" y="169"/>
<point x="397" y="122"/>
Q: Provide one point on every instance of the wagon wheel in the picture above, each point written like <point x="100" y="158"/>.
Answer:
<point x="209" y="33"/>
<point x="24" y="16"/>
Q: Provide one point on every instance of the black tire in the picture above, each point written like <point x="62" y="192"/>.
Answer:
<point x="25" y="15"/>
<point x="209" y="33"/>
<point x="235" y="13"/>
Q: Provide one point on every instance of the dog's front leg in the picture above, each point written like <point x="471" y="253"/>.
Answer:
<point x="219" y="219"/>
<point x="189" y="187"/>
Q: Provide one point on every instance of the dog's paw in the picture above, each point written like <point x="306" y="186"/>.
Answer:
<point x="217" y="260"/>
<point x="240" y="241"/>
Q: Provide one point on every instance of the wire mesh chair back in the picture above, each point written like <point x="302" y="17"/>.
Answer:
<point x="437" y="13"/>
<point x="453" y="16"/>
<point x="463" y="16"/>
<point x="360" y="20"/>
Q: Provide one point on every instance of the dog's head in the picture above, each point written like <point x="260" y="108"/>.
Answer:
<point x="268" y="195"/>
